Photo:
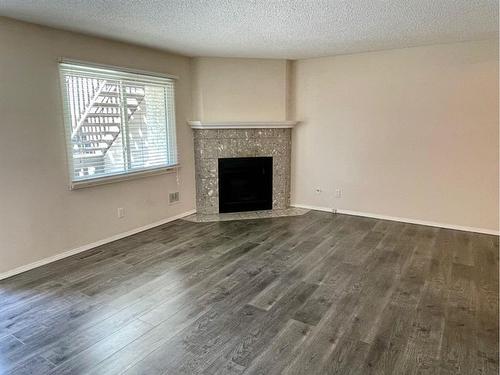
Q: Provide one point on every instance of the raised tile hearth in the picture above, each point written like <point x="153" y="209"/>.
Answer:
<point x="249" y="215"/>
<point x="232" y="140"/>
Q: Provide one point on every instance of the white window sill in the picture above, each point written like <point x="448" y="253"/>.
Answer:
<point x="122" y="177"/>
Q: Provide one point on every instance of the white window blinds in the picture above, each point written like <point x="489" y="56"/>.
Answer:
<point x="117" y="122"/>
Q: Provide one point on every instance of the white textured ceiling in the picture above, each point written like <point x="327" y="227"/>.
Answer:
<point x="267" y="28"/>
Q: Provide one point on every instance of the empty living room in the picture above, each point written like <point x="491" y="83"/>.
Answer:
<point x="235" y="187"/>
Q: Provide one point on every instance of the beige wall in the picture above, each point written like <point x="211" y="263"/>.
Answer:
<point x="411" y="133"/>
<point x="226" y="89"/>
<point x="39" y="216"/>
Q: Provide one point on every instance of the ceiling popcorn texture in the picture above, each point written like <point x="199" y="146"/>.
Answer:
<point x="267" y="28"/>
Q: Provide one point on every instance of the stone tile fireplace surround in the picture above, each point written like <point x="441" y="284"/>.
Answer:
<point x="230" y="140"/>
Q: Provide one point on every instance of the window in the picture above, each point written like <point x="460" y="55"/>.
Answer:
<point x="118" y="123"/>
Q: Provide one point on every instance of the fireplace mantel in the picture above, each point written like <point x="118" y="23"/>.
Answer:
<point x="243" y="125"/>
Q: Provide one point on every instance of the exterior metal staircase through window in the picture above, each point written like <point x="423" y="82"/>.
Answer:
<point x="97" y="118"/>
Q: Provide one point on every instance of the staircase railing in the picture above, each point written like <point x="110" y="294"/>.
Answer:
<point x="95" y="106"/>
<point x="83" y="93"/>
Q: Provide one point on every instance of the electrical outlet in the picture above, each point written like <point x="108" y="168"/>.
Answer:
<point x="120" y="213"/>
<point x="338" y="193"/>
<point x="173" y="197"/>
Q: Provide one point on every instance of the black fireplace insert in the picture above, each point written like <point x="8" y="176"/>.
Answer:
<point x="245" y="184"/>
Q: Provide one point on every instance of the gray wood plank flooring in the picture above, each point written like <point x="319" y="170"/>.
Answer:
<point x="312" y="294"/>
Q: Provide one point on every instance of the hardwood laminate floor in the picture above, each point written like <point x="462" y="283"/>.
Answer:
<point x="312" y="294"/>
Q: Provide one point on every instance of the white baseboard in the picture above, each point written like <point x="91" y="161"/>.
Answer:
<point x="401" y="219"/>
<point x="315" y="208"/>
<point x="89" y="246"/>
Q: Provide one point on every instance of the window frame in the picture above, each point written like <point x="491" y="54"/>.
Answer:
<point x="120" y="176"/>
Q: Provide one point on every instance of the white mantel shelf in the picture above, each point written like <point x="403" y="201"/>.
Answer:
<point x="242" y="124"/>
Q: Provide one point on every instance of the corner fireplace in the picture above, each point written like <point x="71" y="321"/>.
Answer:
<point x="214" y="141"/>
<point x="245" y="184"/>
